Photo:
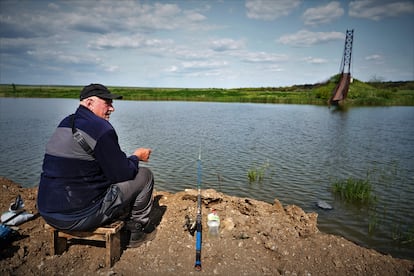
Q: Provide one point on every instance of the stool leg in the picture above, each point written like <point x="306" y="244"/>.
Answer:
<point x="113" y="248"/>
<point x="58" y="243"/>
<point x="54" y="239"/>
<point x="61" y="245"/>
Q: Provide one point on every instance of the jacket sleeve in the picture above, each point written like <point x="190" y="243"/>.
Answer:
<point x="116" y="166"/>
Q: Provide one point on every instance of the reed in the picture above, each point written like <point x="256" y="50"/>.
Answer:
<point x="354" y="190"/>
<point x="403" y="234"/>
<point x="373" y="222"/>
<point x="408" y="237"/>
<point x="252" y="175"/>
<point x="257" y="173"/>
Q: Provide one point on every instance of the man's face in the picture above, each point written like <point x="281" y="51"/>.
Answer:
<point x="101" y="107"/>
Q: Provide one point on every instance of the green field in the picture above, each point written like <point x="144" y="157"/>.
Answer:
<point x="360" y="93"/>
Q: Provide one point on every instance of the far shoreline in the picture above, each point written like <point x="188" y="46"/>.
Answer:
<point x="360" y="93"/>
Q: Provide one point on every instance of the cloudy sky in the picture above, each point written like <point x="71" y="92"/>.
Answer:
<point x="200" y="43"/>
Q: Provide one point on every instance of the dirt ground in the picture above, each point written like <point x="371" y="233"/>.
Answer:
<point x="256" y="238"/>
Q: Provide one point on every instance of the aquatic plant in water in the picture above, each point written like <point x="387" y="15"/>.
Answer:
<point x="354" y="190"/>
<point x="257" y="173"/>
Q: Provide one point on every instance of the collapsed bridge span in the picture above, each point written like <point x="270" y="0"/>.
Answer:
<point x="340" y="92"/>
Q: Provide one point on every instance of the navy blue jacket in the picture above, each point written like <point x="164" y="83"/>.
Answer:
<point x="73" y="183"/>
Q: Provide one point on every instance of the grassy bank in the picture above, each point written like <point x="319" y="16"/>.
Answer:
<point x="360" y="93"/>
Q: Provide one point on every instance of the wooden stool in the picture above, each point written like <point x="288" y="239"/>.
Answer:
<point x="110" y="234"/>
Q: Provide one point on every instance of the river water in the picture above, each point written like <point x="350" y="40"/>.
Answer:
<point x="301" y="150"/>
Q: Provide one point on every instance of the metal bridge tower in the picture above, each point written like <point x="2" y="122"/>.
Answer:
<point x="346" y="59"/>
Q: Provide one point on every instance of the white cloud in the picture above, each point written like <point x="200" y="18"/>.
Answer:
<point x="111" y="41"/>
<point x="323" y="14"/>
<point x="17" y="45"/>
<point x="262" y="57"/>
<point x="226" y="44"/>
<point x="269" y="10"/>
<point x="203" y="65"/>
<point x="189" y="53"/>
<point x="194" y="16"/>
<point x="375" y="58"/>
<point x="306" y="38"/>
<point x="111" y="68"/>
<point x="104" y="18"/>
<point x="26" y="25"/>
<point x="172" y="69"/>
<point x="314" y="60"/>
<point x="53" y="6"/>
<point x="60" y="57"/>
<point x="275" y="68"/>
<point x="198" y="68"/>
<point x="134" y="15"/>
<point x="377" y="10"/>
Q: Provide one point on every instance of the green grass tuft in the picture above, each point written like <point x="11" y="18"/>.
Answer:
<point x="354" y="190"/>
<point x="257" y="173"/>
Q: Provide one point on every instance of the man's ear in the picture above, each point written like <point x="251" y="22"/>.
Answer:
<point x="89" y="102"/>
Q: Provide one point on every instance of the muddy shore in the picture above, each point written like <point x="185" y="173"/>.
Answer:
<point x="256" y="238"/>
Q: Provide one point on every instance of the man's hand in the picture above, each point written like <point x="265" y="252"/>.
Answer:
<point x="143" y="154"/>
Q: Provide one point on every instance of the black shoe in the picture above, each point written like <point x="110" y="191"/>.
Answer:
<point x="140" y="234"/>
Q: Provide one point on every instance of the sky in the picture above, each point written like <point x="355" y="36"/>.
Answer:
<point x="203" y="44"/>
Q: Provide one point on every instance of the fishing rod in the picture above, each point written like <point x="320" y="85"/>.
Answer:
<point x="199" y="226"/>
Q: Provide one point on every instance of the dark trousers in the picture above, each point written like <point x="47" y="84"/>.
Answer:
<point x="132" y="198"/>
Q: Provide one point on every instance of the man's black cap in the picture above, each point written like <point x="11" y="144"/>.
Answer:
<point x="98" y="90"/>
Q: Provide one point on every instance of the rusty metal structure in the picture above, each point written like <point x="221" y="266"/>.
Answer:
<point x="340" y="92"/>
